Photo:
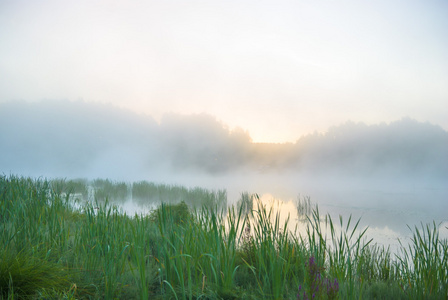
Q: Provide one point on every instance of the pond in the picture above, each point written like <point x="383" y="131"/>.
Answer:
<point x="387" y="206"/>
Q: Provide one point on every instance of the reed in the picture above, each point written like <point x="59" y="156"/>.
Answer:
<point x="73" y="187"/>
<point x="148" y="193"/>
<point x="304" y="207"/>
<point x="423" y="265"/>
<point x="108" y="190"/>
<point x="246" y="203"/>
<point x="184" y="252"/>
<point x="274" y="252"/>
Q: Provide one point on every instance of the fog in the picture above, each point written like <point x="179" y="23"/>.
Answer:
<point x="72" y="139"/>
<point x="389" y="174"/>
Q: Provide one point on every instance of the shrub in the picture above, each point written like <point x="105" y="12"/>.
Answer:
<point x="178" y="213"/>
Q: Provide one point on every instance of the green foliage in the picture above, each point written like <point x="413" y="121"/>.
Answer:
<point x="246" y="203"/>
<point x="50" y="250"/>
<point x="275" y="253"/>
<point x="107" y="190"/>
<point x="178" y="214"/>
<point x="384" y="290"/>
<point x="423" y="265"/>
<point x="73" y="186"/>
<point x="315" y="285"/>
<point x="148" y="192"/>
<point x="25" y="274"/>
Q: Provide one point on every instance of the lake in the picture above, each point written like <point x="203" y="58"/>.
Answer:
<point x="386" y="205"/>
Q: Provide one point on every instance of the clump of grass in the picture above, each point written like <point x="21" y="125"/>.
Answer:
<point x="270" y="253"/>
<point x="198" y="259"/>
<point x="423" y="265"/>
<point x="25" y="274"/>
<point x="178" y="214"/>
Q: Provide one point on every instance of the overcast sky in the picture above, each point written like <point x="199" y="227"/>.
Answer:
<point x="279" y="69"/>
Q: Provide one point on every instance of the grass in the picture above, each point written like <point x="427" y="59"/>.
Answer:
<point x="25" y="272"/>
<point x="53" y="250"/>
<point x="107" y="189"/>
<point x="147" y="192"/>
<point x="304" y="208"/>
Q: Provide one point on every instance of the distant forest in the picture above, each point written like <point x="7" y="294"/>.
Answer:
<point x="57" y="136"/>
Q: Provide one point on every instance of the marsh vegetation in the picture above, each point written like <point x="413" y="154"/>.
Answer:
<point x="54" y="248"/>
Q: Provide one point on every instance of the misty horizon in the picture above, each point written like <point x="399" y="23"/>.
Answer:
<point x="63" y="137"/>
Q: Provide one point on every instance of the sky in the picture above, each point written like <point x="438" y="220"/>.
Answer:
<point x="278" y="69"/>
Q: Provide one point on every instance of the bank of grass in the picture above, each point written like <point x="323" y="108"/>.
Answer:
<point x="52" y="250"/>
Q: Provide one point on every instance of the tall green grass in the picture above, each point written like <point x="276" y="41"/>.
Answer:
<point x="147" y="192"/>
<point x="423" y="265"/>
<point x="277" y="259"/>
<point x="108" y="190"/>
<point x="70" y="187"/>
<point x="54" y="250"/>
<point x="304" y="208"/>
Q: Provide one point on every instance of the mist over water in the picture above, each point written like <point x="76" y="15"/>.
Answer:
<point x="389" y="175"/>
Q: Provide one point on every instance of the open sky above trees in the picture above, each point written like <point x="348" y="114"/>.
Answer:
<point x="277" y="69"/>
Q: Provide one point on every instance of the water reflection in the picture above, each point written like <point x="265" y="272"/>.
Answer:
<point x="389" y="227"/>
<point x="389" y="211"/>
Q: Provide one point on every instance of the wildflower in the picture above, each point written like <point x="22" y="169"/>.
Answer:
<point x="315" y="283"/>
